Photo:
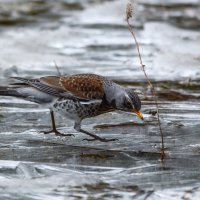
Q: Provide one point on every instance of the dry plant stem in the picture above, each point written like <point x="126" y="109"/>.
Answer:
<point x="129" y="11"/>
<point x="57" y="68"/>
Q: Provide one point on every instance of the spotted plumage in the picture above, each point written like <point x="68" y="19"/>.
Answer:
<point x="77" y="110"/>
<point x="76" y="97"/>
<point x="89" y="86"/>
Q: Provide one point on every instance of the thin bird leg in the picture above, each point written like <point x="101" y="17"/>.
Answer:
<point x="54" y="130"/>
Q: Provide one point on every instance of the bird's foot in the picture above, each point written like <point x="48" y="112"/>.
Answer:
<point x="100" y="139"/>
<point x="95" y="137"/>
<point x="57" y="133"/>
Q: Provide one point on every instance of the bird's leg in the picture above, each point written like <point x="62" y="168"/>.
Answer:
<point x="77" y="127"/>
<point x="54" y="130"/>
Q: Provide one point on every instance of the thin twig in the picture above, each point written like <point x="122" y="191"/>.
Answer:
<point x="129" y="14"/>
<point x="57" y="69"/>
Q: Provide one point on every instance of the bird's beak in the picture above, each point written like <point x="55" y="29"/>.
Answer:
<point x="139" y="114"/>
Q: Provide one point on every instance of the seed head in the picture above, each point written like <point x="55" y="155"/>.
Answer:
<point x="129" y="11"/>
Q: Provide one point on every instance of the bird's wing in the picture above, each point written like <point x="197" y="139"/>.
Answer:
<point x="81" y="86"/>
<point x="85" y="86"/>
<point x="48" y="84"/>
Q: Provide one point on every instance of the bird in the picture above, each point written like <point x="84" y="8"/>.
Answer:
<point x="76" y="97"/>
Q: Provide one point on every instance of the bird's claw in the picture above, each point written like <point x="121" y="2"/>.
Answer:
<point x="47" y="132"/>
<point x="63" y="135"/>
<point x="57" y="133"/>
<point x="86" y="139"/>
<point x="99" y="139"/>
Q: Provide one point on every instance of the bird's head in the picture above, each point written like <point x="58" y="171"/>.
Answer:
<point x="129" y="102"/>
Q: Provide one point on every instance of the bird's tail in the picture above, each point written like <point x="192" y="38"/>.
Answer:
<point x="27" y="93"/>
<point x="9" y="91"/>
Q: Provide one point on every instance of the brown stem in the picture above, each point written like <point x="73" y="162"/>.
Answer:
<point x="57" y="69"/>
<point x="129" y="11"/>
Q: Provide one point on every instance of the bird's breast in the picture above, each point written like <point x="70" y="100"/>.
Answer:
<point x="74" y="109"/>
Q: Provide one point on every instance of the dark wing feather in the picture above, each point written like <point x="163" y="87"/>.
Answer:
<point x="41" y="85"/>
<point x="50" y="85"/>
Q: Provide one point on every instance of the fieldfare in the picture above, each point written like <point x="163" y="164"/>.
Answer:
<point x="76" y="97"/>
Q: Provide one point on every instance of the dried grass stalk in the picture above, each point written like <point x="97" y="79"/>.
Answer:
<point x="57" y="69"/>
<point x="129" y="14"/>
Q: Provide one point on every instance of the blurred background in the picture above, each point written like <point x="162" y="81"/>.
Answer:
<point x="91" y="36"/>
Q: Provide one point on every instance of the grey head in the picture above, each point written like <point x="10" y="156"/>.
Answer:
<point x="132" y="100"/>
<point x="127" y="100"/>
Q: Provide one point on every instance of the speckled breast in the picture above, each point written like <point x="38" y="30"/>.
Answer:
<point x="77" y="109"/>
